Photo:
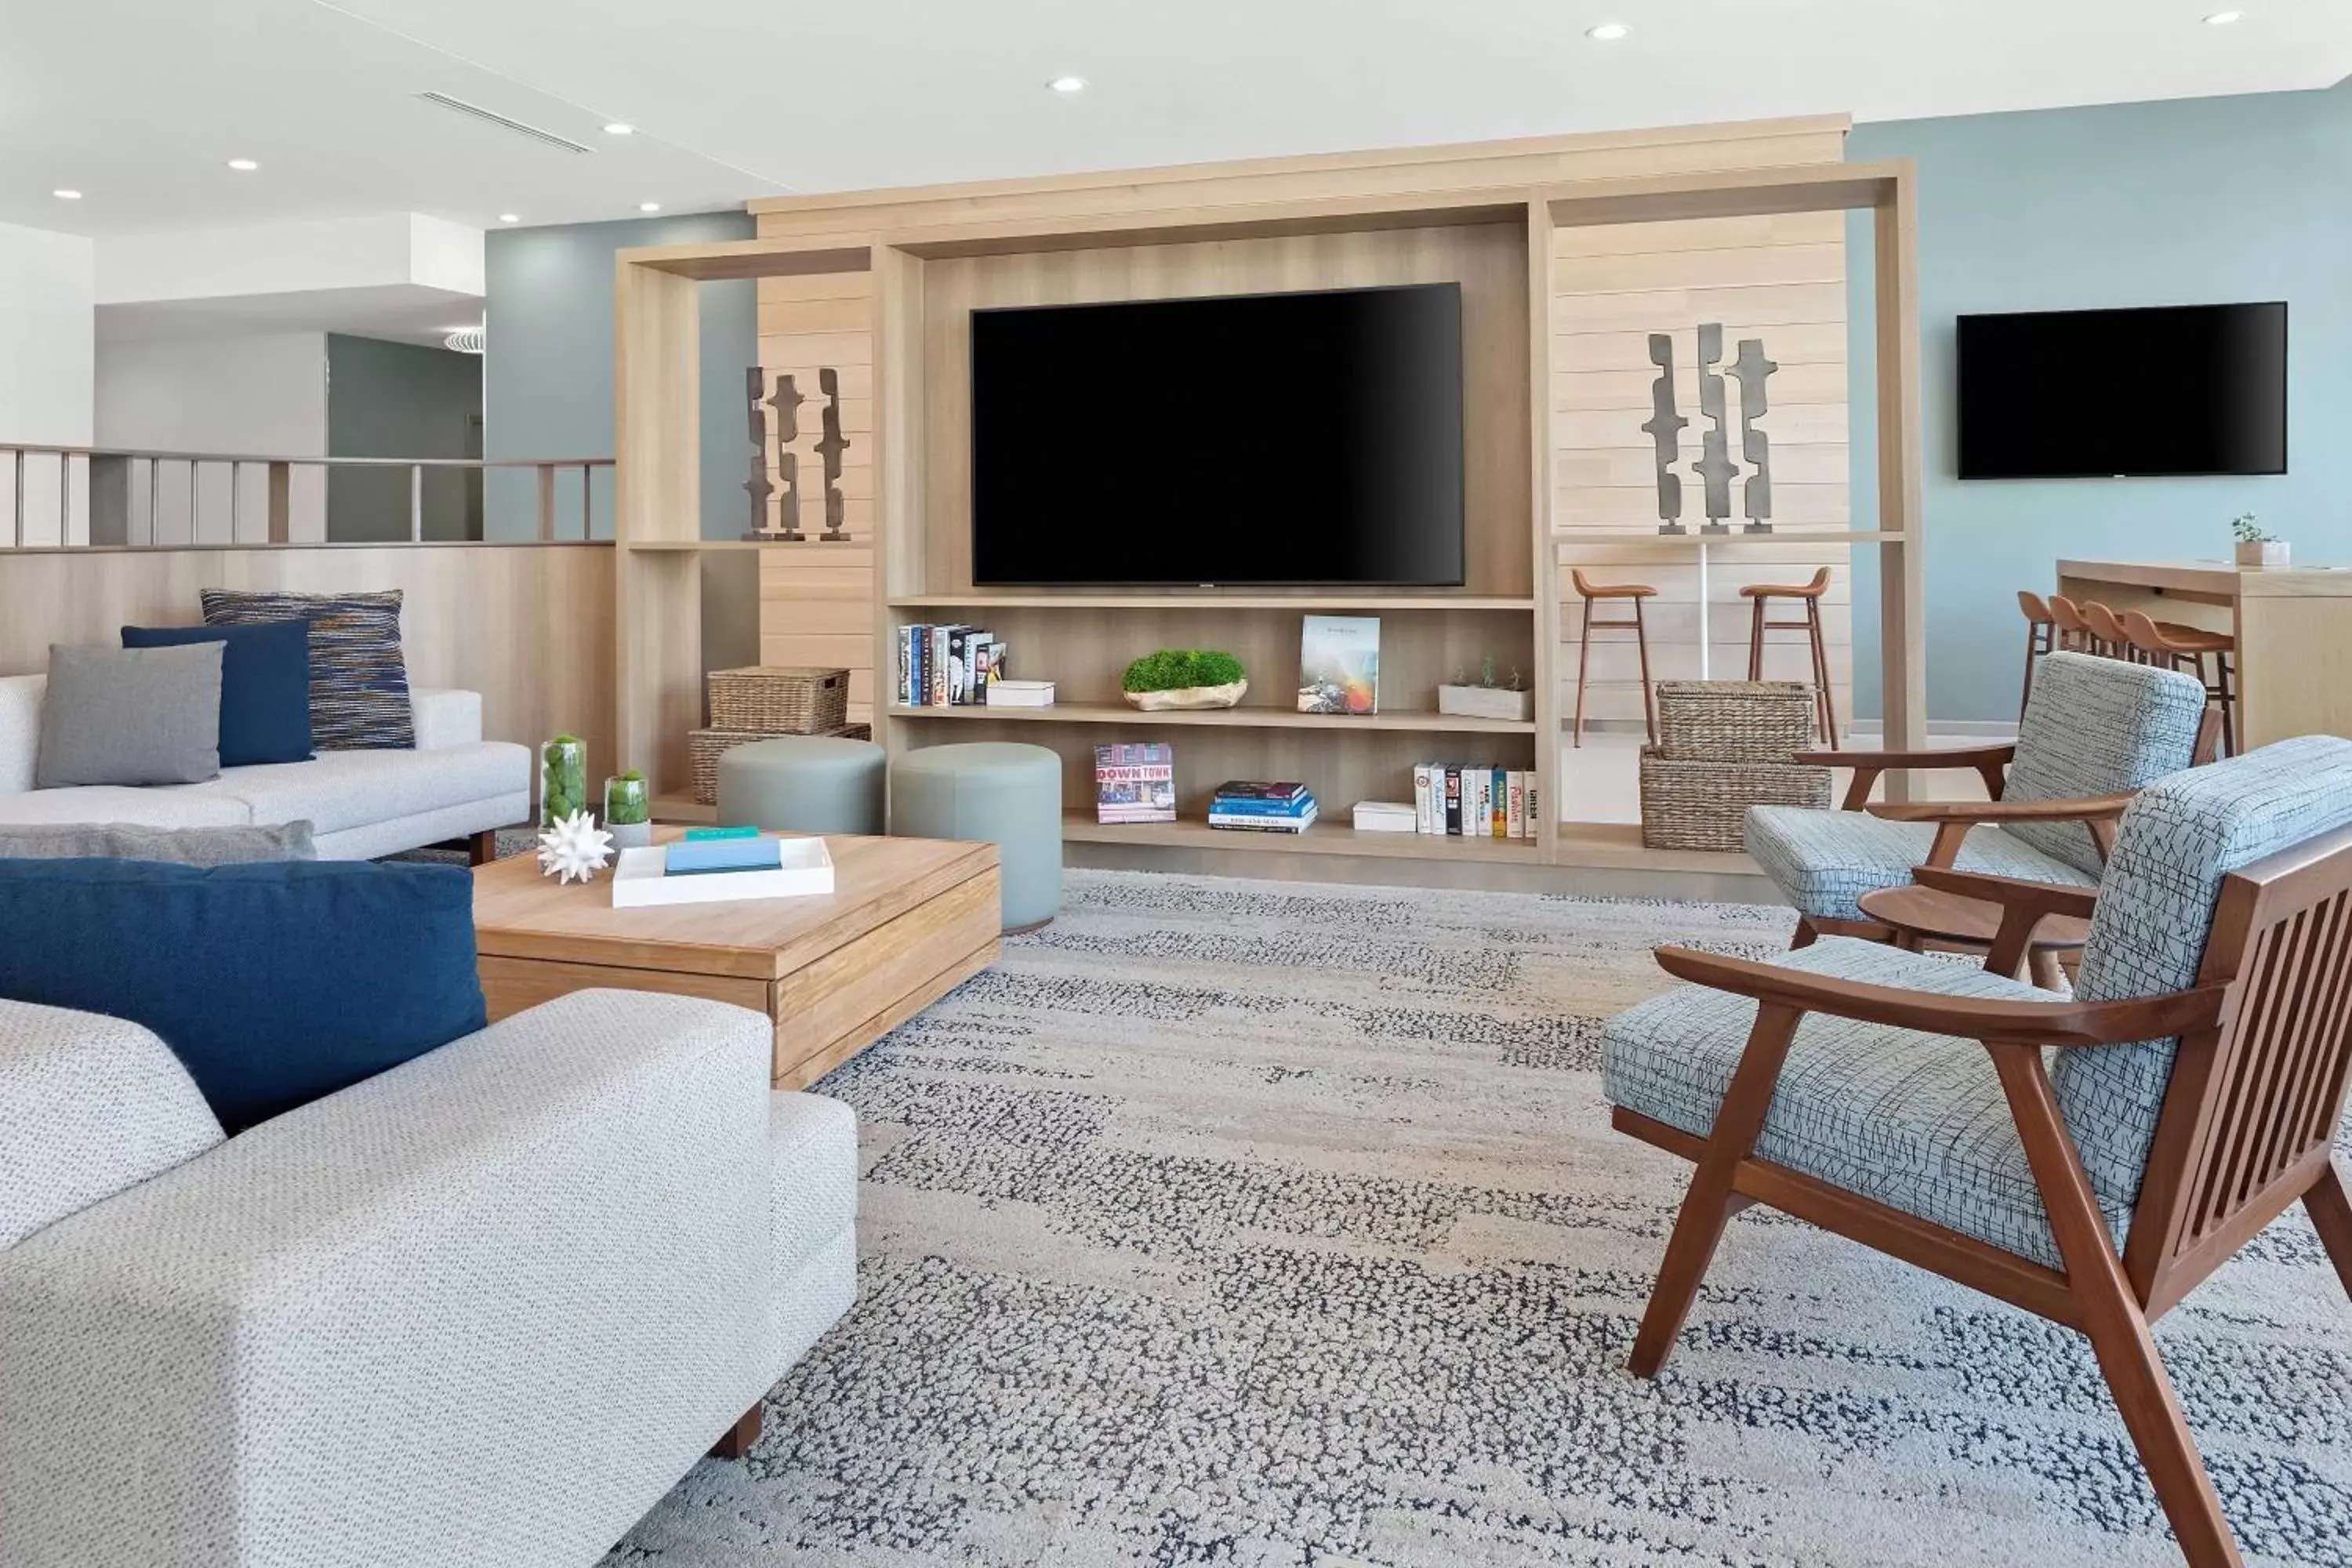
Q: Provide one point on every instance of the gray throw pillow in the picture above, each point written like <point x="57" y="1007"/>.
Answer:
<point x="131" y="716"/>
<point x="179" y="845"/>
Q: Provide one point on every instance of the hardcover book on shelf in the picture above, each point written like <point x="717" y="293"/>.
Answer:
<point x="1279" y="808"/>
<point x="1265" y="821"/>
<point x="1282" y="793"/>
<point x="1339" y="665"/>
<point x="1135" y="783"/>
<point x="1426" y="806"/>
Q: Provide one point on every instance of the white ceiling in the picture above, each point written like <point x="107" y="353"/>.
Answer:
<point x="138" y="102"/>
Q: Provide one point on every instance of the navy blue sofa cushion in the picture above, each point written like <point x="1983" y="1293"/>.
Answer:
<point x="265" y="686"/>
<point x="275" y="983"/>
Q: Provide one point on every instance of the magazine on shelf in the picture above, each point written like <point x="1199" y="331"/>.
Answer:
<point x="1339" y="665"/>
<point x="1135" y="783"/>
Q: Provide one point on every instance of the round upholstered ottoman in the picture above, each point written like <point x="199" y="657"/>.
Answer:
<point x="803" y="783"/>
<point x="1010" y="795"/>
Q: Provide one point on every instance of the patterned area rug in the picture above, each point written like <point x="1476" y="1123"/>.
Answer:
<point x="1259" y="1224"/>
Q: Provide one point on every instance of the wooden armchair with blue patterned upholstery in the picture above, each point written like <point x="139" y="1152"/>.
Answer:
<point x="2091" y="1159"/>
<point x="2095" y="730"/>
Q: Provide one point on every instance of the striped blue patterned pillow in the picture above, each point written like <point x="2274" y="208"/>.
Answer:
<point x="359" y="682"/>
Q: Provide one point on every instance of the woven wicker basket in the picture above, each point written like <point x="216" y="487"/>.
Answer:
<point x="705" y="747"/>
<point x="1704" y="805"/>
<point x="1734" y="720"/>
<point x="780" y="699"/>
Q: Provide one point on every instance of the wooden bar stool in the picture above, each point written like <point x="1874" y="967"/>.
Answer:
<point x="2107" y="634"/>
<point x="2186" y="649"/>
<point x="2074" y="632"/>
<point x="2040" y="638"/>
<point x="1636" y="592"/>
<point x="1760" y="596"/>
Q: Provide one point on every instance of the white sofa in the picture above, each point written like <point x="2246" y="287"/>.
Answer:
<point x="360" y="805"/>
<point x="482" y="1311"/>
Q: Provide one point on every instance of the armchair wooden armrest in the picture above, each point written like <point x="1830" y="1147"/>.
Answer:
<point x="2058" y="1022"/>
<point x="1990" y="763"/>
<point x="1953" y="818"/>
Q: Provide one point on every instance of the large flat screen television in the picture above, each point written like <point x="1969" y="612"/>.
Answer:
<point x="2175" y="390"/>
<point x="1290" y="439"/>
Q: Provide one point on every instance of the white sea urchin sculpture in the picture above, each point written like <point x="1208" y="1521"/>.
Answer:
<point x="574" y="848"/>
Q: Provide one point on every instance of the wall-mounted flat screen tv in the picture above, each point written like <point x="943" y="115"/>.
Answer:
<point x="1299" y="440"/>
<point x="2176" y="390"/>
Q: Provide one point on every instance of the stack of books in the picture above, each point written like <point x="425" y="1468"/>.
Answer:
<point x="1475" y="801"/>
<point x="1135" y="784"/>
<point x="1262" y="807"/>
<point x="946" y="667"/>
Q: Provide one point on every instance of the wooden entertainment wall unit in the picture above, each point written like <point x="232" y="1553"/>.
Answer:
<point x="881" y="286"/>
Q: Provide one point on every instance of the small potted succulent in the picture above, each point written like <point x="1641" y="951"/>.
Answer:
<point x="628" y="810"/>
<point x="1487" y="698"/>
<point x="562" y="779"/>
<point x="1184" y="678"/>
<point x="2256" y="548"/>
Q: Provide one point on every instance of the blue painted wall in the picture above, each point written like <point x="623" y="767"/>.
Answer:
<point x="2191" y="201"/>
<point x="547" y="374"/>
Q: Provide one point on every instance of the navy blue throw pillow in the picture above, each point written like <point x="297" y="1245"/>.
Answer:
<point x="275" y="983"/>
<point x="265" y="686"/>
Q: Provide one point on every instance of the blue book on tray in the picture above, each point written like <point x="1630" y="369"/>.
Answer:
<point x="702" y="855"/>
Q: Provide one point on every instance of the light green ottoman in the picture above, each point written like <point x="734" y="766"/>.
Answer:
<point x="1007" y="795"/>
<point x="802" y="783"/>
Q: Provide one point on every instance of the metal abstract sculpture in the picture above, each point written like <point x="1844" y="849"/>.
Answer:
<point x="830" y="447"/>
<point x="787" y="400"/>
<point x="1750" y="370"/>
<point x="1664" y="428"/>
<point x="758" y="487"/>
<point x="1714" y="467"/>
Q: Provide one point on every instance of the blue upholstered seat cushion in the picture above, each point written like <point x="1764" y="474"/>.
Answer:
<point x="1914" y="1121"/>
<point x="265" y="704"/>
<point x="2180" y="839"/>
<point x="2094" y="726"/>
<point x="1824" y="860"/>
<point x="275" y="983"/>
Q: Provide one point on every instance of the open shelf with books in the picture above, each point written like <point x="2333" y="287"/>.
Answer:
<point x="1253" y="717"/>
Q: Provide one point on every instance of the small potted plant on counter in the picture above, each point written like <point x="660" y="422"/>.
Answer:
<point x="1488" y="699"/>
<point x="2256" y="548"/>
<point x="1184" y="678"/>
<point x="628" y="810"/>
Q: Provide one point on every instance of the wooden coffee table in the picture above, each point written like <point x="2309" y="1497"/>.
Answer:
<point x="1919" y="915"/>
<point x="909" y="920"/>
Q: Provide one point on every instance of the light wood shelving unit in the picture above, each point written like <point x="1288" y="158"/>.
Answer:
<point x="1497" y="244"/>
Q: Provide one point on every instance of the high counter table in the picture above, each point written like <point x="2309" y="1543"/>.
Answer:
<point x="2293" y="627"/>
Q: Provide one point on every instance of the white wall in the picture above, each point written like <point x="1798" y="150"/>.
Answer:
<point x="46" y="292"/>
<point x="263" y="395"/>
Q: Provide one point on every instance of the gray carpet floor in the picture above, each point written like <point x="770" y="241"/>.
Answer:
<point x="1259" y="1224"/>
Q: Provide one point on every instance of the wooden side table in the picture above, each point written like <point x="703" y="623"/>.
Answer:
<point x="1919" y="915"/>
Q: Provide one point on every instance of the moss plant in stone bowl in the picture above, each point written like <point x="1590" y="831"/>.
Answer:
<point x="1184" y="678"/>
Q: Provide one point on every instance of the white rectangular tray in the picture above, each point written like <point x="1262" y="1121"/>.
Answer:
<point x="638" y="881"/>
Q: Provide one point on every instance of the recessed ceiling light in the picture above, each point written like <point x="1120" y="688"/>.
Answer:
<point x="649" y="206"/>
<point x="67" y="195"/>
<point x="620" y="128"/>
<point x="510" y="217"/>
<point x="1067" y="84"/>
<point x="243" y="165"/>
<point x="2222" y="19"/>
<point x="1608" y="32"/>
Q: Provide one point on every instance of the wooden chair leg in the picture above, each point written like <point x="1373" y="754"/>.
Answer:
<point x="2110" y="1314"/>
<point x="1649" y="701"/>
<point x="2331" y="1215"/>
<point x="1808" y="933"/>
<point x="1756" y="638"/>
<point x="2032" y="646"/>
<point x="740" y="1437"/>
<point x="1710" y="1200"/>
<point x="2226" y="683"/>
<point x="1821" y="673"/>
<point x="1583" y="669"/>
